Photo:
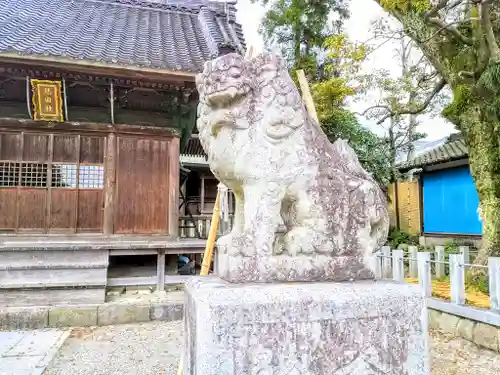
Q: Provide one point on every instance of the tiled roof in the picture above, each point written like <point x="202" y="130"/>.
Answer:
<point x="194" y="148"/>
<point x="164" y="34"/>
<point x="452" y="150"/>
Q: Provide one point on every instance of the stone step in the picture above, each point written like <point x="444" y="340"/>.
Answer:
<point x="40" y="278"/>
<point x="51" y="296"/>
<point x="26" y="259"/>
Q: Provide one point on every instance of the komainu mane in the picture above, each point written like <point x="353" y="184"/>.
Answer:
<point x="282" y="169"/>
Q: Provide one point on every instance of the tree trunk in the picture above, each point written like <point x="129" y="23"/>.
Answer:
<point x="480" y="125"/>
<point x="392" y="150"/>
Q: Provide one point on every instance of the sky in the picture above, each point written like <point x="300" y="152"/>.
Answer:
<point x="363" y="12"/>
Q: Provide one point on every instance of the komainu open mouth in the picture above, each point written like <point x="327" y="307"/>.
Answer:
<point x="227" y="98"/>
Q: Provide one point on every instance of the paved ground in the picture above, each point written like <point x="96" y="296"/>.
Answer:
<point x="29" y="352"/>
<point x="154" y="348"/>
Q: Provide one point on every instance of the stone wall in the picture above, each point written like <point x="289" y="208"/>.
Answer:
<point x="481" y="334"/>
<point x="429" y="240"/>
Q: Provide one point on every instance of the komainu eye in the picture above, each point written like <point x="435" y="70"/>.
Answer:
<point x="235" y="73"/>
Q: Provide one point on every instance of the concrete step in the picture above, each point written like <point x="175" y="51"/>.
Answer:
<point x="52" y="276"/>
<point x="51" y="296"/>
<point x="40" y="278"/>
<point x="25" y="259"/>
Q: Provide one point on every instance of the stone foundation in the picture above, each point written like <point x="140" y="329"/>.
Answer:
<point x="301" y="268"/>
<point x="481" y="334"/>
<point x="362" y="328"/>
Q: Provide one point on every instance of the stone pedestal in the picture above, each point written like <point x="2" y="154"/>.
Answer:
<point x="362" y="328"/>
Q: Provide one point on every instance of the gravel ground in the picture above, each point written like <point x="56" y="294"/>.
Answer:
<point x="154" y="348"/>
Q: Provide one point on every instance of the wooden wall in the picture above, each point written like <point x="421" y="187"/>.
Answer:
<point x="98" y="182"/>
<point x="407" y="209"/>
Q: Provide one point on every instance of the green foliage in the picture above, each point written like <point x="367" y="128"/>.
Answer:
<point x="300" y="28"/>
<point x="490" y="82"/>
<point x="451" y="247"/>
<point x="463" y="97"/>
<point x="397" y="238"/>
<point x="407" y="5"/>
<point x="478" y="281"/>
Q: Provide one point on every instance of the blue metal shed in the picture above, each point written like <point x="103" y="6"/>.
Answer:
<point x="450" y="202"/>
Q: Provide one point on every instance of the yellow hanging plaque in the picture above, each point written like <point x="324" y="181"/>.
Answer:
<point x="47" y="100"/>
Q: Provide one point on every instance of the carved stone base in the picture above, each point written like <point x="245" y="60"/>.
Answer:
<point x="238" y="269"/>
<point x="362" y="328"/>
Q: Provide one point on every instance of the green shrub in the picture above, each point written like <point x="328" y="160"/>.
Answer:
<point x="397" y="238"/>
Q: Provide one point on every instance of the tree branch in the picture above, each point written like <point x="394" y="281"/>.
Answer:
<point x="453" y="31"/>
<point x="489" y="34"/>
<point x="435" y="10"/>
<point x="415" y="111"/>
<point x="365" y="112"/>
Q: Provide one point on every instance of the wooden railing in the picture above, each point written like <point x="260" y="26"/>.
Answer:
<point x="198" y="226"/>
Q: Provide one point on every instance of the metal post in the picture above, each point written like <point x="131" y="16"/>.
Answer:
<point x="457" y="279"/>
<point x="398" y="273"/>
<point x="440" y="271"/>
<point x="424" y="273"/>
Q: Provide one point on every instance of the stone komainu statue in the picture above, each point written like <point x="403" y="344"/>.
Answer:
<point x="282" y="169"/>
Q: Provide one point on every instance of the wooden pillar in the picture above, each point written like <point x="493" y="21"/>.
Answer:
<point x="173" y="191"/>
<point x="160" y="271"/>
<point x="110" y="183"/>
<point x="202" y="194"/>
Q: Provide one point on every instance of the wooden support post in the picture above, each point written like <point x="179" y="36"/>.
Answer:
<point x="424" y="273"/>
<point x="208" y="254"/>
<point x="173" y="189"/>
<point x="112" y="101"/>
<point x="494" y="282"/>
<point x="440" y="271"/>
<point x="386" y="262"/>
<point x="48" y="202"/>
<point x="398" y="270"/>
<point x="160" y="271"/>
<point x="110" y="182"/>
<point x="65" y="100"/>
<point x="307" y="96"/>
<point x="457" y="279"/>
<point x="412" y="263"/>
<point x="202" y="194"/>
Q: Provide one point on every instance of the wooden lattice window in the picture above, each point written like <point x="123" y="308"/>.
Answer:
<point x="51" y="182"/>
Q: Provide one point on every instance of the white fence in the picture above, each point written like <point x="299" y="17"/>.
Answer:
<point x="426" y="265"/>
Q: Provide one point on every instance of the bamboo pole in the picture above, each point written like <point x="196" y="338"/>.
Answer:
<point x="307" y="96"/>
<point x="209" y="247"/>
